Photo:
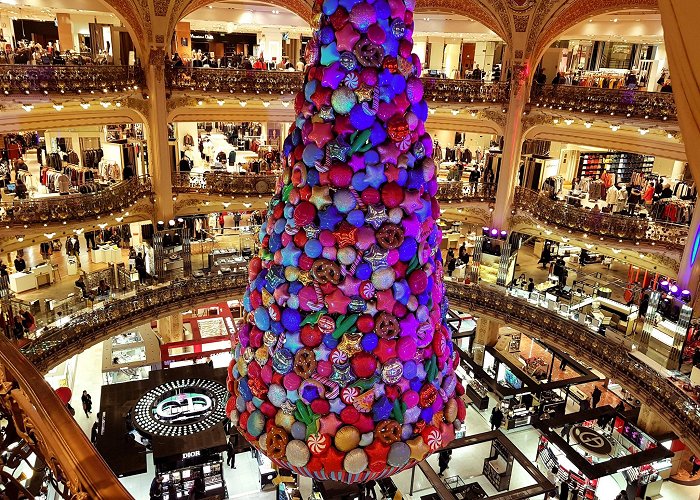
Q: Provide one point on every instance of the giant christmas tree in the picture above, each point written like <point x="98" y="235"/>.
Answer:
<point x="344" y="367"/>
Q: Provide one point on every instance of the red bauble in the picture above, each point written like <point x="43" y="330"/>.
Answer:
<point x="392" y="195"/>
<point x="310" y="336"/>
<point x="364" y="364"/>
<point x="397" y="127"/>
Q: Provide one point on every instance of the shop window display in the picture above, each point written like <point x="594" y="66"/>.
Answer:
<point x="330" y="300"/>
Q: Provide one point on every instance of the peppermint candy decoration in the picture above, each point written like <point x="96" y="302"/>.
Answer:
<point x="348" y="395"/>
<point x="318" y="443"/>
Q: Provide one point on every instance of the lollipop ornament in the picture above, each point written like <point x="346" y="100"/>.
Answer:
<point x="343" y="368"/>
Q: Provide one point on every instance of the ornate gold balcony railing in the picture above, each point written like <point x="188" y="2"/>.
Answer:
<point x="38" y="421"/>
<point x="235" y="81"/>
<point x="88" y="328"/>
<point x="459" y="191"/>
<point x="441" y="90"/>
<point x="224" y="183"/>
<point x="606" y="102"/>
<point x="542" y="208"/>
<point x="83" y="330"/>
<point x="29" y="79"/>
<point x="74" y="207"/>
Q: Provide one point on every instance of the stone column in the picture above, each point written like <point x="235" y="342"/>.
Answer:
<point x="65" y="32"/>
<point x="680" y="21"/>
<point x="486" y="336"/>
<point x="158" y="155"/>
<point x="512" y="147"/>
<point x="650" y="422"/>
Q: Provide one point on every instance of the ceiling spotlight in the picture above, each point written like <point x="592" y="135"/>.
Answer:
<point x="226" y="204"/>
<point x="473" y="113"/>
<point x="568" y="121"/>
<point x="118" y="104"/>
<point x="220" y="102"/>
<point x="58" y="107"/>
<point x="643" y="131"/>
<point x="555" y="121"/>
<point x="49" y="236"/>
<point x="266" y="104"/>
<point x="243" y="103"/>
<point x="669" y="135"/>
<point x="285" y="104"/>
<point x="27" y="107"/>
<point x="587" y="124"/>
<point x="431" y="111"/>
<point x="275" y="11"/>
<point x="614" y="128"/>
<point x="455" y="112"/>
<point x="200" y="102"/>
<point x="105" y="104"/>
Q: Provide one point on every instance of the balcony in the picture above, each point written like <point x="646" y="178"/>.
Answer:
<point x="543" y="209"/>
<point x="81" y="80"/>
<point x="223" y="183"/>
<point x="59" y="209"/>
<point x="55" y="345"/>
<point x="459" y="192"/>
<point x="440" y="90"/>
<point x="606" y="102"/>
<point x="235" y="81"/>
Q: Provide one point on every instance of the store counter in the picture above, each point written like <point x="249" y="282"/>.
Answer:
<point x="21" y="282"/>
<point x="110" y="254"/>
<point x="44" y="274"/>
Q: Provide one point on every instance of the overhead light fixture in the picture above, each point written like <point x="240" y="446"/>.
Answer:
<point x="49" y="236"/>
<point x="27" y="107"/>
<point x="85" y="105"/>
<point x="569" y="121"/>
<point x="555" y="121"/>
<point x="118" y="104"/>
<point x="455" y="112"/>
<point x="587" y="124"/>
<point x="105" y="104"/>
<point x="220" y="102"/>
<point x="200" y="102"/>
<point x="614" y="128"/>
<point x="275" y="11"/>
<point x="431" y="111"/>
<point x="669" y="135"/>
<point x="243" y="103"/>
<point x="226" y="204"/>
<point x="266" y="104"/>
<point x="285" y="104"/>
<point x="643" y="131"/>
<point x="247" y="205"/>
<point x="473" y="113"/>
<point x="58" y="106"/>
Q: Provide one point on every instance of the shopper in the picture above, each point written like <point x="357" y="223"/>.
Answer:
<point x="451" y="266"/>
<point x="585" y="405"/>
<point x="695" y="462"/>
<point x="667" y="87"/>
<point x="463" y="251"/>
<point x="597" y="393"/>
<point x="564" y="491"/>
<point x="370" y="492"/>
<point x="140" y="264"/>
<point x="620" y="407"/>
<point x="103" y="289"/>
<point x="496" y="418"/>
<point x="20" y="264"/>
<point x="474" y="179"/>
<point x="565" y="431"/>
<point x="94" y="432"/>
<point x="530" y="285"/>
<point x="156" y="491"/>
<point x="80" y="283"/>
<point x="28" y="321"/>
<point x="552" y="474"/>
<point x="198" y="489"/>
<point x="546" y="257"/>
<point x="20" y="189"/>
<point x="444" y="461"/>
<point x="230" y="455"/>
<point x="87" y="403"/>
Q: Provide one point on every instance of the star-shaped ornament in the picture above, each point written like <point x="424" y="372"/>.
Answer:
<point x="350" y="344"/>
<point x="290" y="255"/>
<point x="374" y="175"/>
<point x="342" y="374"/>
<point x="345" y="235"/>
<point x="337" y="150"/>
<point x="330" y="425"/>
<point x="329" y="54"/>
<point x="364" y="93"/>
<point x="321" y="133"/>
<point x="377" y="453"/>
<point x="333" y="75"/>
<point x="333" y="462"/>
<point x="419" y="450"/>
<point x="376" y="256"/>
<point x="326" y="113"/>
<point x="337" y="302"/>
<point x="412" y="201"/>
<point x="347" y="38"/>
<point x="320" y="197"/>
<point x="350" y="286"/>
<point x="312" y="231"/>
<point x="376" y="215"/>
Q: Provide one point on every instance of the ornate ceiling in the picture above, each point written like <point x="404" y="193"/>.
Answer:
<point x="527" y="26"/>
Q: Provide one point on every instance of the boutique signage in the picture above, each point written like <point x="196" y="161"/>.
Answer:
<point x="591" y="440"/>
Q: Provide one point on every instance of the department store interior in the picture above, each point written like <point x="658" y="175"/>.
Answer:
<point x="349" y="249"/>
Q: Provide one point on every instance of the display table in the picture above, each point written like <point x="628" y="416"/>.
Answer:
<point x="21" y="282"/>
<point x="44" y="274"/>
<point x="109" y="254"/>
<point x="72" y="266"/>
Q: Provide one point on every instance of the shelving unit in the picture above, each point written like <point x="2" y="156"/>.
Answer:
<point x="183" y="479"/>
<point x="498" y="466"/>
<point x="622" y="164"/>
